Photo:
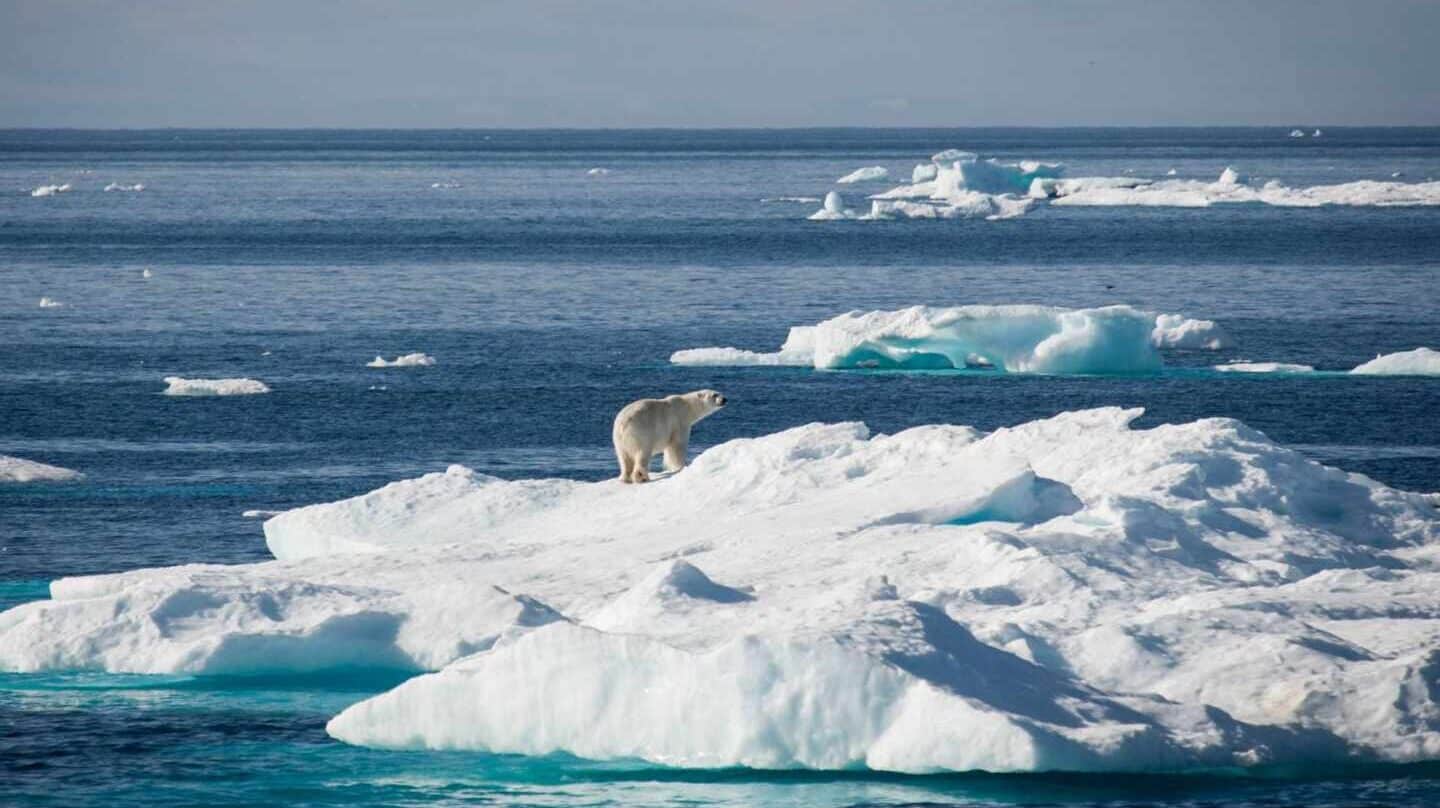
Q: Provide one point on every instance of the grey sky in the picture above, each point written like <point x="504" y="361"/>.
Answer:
<point x="480" y="64"/>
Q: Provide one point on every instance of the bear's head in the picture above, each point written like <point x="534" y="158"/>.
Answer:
<point x="708" y="400"/>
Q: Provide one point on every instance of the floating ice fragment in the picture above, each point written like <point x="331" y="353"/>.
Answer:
<point x="1419" y="362"/>
<point x="598" y="172"/>
<point x="1263" y="367"/>
<point x="118" y="186"/>
<point x="410" y="360"/>
<point x="50" y="190"/>
<point x="50" y="303"/>
<point x="213" y="387"/>
<point x="866" y="174"/>
<point x="20" y="470"/>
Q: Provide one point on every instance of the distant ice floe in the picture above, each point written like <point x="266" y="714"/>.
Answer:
<point x="20" y="470"/>
<point x="259" y="514"/>
<point x="1419" y="362"/>
<point x="444" y="185"/>
<point x="1297" y="133"/>
<point x="1013" y="339"/>
<point x="791" y="199"/>
<point x="120" y="186"/>
<point x="598" y="172"/>
<point x="1072" y="593"/>
<point x="410" y="360"/>
<point x="147" y="273"/>
<point x="1263" y="367"/>
<point x="179" y="386"/>
<point x="867" y="174"/>
<point x="958" y="184"/>
<point x="50" y="190"/>
<point x="50" y="303"/>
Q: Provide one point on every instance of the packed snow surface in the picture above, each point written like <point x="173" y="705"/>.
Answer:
<point x="50" y="190"/>
<point x="20" y="470"/>
<point x="1264" y="367"/>
<point x="1419" y="362"/>
<point x="1013" y="338"/>
<point x="179" y="386"/>
<point x="867" y="174"/>
<point x="1069" y="593"/>
<point x="410" y="360"/>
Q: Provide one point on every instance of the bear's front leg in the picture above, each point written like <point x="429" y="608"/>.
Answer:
<point x="675" y="451"/>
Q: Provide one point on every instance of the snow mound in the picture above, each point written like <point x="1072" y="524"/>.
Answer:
<point x="1264" y="367"/>
<point x="1013" y="338"/>
<point x="50" y="190"/>
<point x="410" y="360"/>
<point x="1419" y="362"/>
<point x="50" y="303"/>
<point x="120" y="186"/>
<point x="867" y="174"/>
<point x="20" y="470"/>
<point x="179" y="386"/>
<point x="1068" y="593"/>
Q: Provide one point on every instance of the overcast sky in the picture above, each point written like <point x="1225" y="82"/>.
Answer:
<point x="438" y="63"/>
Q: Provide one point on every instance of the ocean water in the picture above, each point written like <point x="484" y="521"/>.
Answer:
<point x="551" y="297"/>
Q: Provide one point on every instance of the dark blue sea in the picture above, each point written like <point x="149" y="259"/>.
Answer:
<point x="550" y="297"/>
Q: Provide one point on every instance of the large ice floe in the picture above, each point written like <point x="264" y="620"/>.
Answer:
<point x="180" y="386"/>
<point x="1011" y="338"/>
<point x="1070" y="593"/>
<point x="1419" y="362"/>
<point x="20" y="470"/>
<point x="960" y="184"/>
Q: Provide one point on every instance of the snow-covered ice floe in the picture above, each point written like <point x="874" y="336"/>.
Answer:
<point x="598" y="172"/>
<point x="1070" y="593"/>
<point x="20" y="470"/>
<point x="1013" y="338"/>
<point x="867" y="174"/>
<point x="50" y="190"/>
<point x="960" y="184"/>
<point x="50" y="303"/>
<point x="1264" y="367"/>
<point x="1419" y="362"/>
<point x="179" y="386"/>
<point x="410" y="360"/>
<point x="120" y="186"/>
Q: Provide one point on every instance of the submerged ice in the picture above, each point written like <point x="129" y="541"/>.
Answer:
<point x="1010" y="338"/>
<point x="1069" y="593"/>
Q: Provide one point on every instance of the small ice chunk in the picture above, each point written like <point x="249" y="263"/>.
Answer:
<point x="410" y="360"/>
<point x="598" y="172"/>
<point x="867" y="174"/>
<point x="50" y="190"/>
<point x="1419" y="362"/>
<point x="120" y="186"/>
<point x="179" y="386"/>
<point x="20" y="470"/>
<point x="1297" y="133"/>
<point x="50" y="303"/>
<point x="954" y="155"/>
<point x="1263" y="367"/>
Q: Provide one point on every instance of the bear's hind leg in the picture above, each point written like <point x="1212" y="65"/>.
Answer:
<point x="640" y="468"/>
<point x="627" y="466"/>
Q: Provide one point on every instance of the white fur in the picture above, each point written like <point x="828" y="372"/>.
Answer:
<point x="649" y="426"/>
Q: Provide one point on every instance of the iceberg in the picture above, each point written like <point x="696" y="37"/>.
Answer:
<point x="410" y="360"/>
<point x="1263" y="367"/>
<point x="1010" y="338"/>
<point x="833" y="208"/>
<point x="20" y="470"/>
<point x="867" y="174"/>
<point x="1419" y="362"/>
<point x="1071" y="593"/>
<point x="179" y="386"/>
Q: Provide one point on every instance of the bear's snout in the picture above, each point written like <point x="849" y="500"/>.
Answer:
<point x="720" y="401"/>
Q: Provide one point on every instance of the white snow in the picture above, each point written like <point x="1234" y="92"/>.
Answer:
<point x="867" y="174"/>
<point x="1013" y="338"/>
<point x="179" y="386"/>
<point x="20" y="470"/>
<point x="50" y="190"/>
<point x="1419" y="362"/>
<point x="50" y="303"/>
<point x="1264" y="367"/>
<point x="118" y="186"/>
<point x="1069" y="593"/>
<point x="410" y="360"/>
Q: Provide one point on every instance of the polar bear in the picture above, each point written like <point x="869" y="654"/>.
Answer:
<point x="651" y="425"/>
